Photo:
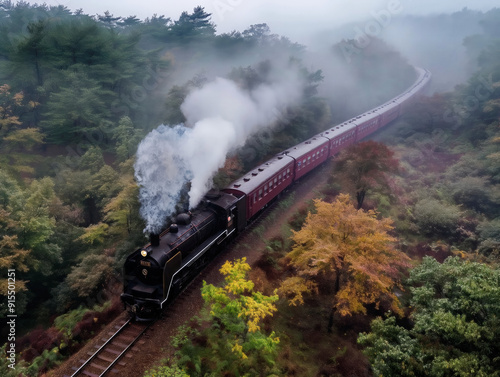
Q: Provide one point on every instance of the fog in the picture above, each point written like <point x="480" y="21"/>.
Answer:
<point x="183" y="159"/>
<point x="319" y="24"/>
<point x="432" y="41"/>
<point x="295" y="19"/>
<point x="173" y="161"/>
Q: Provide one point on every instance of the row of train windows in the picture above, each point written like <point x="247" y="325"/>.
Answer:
<point x="371" y="124"/>
<point x="272" y="184"/>
<point x="313" y="157"/>
<point x="342" y="139"/>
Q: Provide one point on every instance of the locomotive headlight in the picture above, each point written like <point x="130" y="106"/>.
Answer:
<point x="144" y="253"/>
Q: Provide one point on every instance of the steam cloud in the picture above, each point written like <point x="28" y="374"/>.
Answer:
<point x="223" y="117"/>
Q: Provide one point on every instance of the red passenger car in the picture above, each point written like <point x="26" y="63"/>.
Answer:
<point x="389" y="111"/>
<point x="263" y="184"/>
<point x="308" y="155"/>
<point x="367" y="123"/>
<point x="340" y="136"/>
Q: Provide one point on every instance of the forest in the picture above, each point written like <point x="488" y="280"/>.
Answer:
<point x="79" y="92"/>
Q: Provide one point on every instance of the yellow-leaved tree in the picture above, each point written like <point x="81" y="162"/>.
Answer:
<point x="235" y="344"/>
<point x="17" y="141"/>
<point x="352" y="251"/>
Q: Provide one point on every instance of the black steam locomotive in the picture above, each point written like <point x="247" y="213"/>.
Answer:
<point x="156" y="273"/>
<point x="159" y="271"/>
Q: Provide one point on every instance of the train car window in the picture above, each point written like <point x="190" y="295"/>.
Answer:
<point x="275" y="182"/>
<point x="288" y="172"/>
<point x="279" y="178"/>
<point x="254" y="198"/>
<point x="260" y="194"/>
<point x="299" y="164"/>
<point x="308" y="160"/>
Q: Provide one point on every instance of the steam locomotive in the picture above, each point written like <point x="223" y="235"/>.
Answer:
<point x="156" y="273"/>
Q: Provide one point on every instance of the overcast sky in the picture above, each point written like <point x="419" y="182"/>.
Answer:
<point x="285" y="17"/>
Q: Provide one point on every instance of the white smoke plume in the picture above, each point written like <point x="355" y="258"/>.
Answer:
<point x="222" y="117"/>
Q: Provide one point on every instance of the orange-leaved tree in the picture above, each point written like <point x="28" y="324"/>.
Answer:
<point x="363" y="166"/>
<point x="352" y="251"/>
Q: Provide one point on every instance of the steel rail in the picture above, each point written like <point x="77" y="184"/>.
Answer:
<point x="101" y="348"/>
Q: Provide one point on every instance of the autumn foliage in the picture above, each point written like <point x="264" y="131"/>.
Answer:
<point x="235" y="342"/>
<point x="363" y="166"/>
<point x="352" y="251"/>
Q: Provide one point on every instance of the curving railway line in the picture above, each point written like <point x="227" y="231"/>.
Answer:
<point x="156" y="273"/>
<point x="173" y="259"/>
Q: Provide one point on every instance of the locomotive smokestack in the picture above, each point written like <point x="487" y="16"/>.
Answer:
<point x="154" y="239"/>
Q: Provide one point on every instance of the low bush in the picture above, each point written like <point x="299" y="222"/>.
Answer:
<point x="435" y="218"/>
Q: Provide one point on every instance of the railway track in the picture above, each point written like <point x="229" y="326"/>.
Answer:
<point x="109" y="355"/>
<point x="187" y="303"/>
<point x="112" y="351"/>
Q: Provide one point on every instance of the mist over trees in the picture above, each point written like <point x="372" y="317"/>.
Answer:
<point x="79" y="92"/>
<point x="448" y="148"/>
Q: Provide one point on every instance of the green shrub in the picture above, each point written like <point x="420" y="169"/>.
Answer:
<point x="436" y="218"/>
<point x="474" y="193"/>
<point x="489" y="237"/>
<point x="165" y="371"/>
<point x="67" y="322"/>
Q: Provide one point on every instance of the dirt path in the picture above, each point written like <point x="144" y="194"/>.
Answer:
<point x="156" y="343"/>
